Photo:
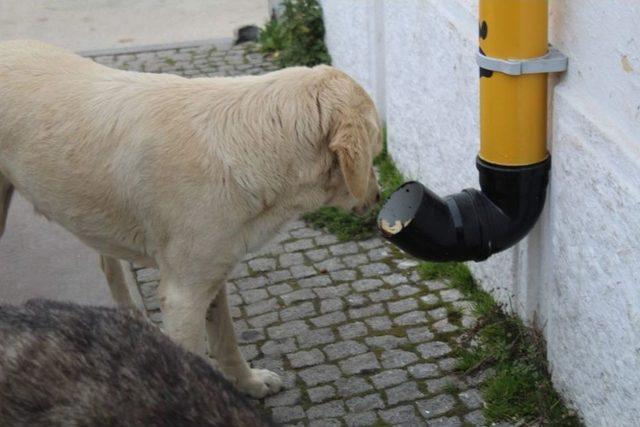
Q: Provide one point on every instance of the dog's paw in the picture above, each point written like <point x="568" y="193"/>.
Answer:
<point x="260" y="383"/>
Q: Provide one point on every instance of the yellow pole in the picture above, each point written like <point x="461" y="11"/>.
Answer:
<point x="513" y="109"/>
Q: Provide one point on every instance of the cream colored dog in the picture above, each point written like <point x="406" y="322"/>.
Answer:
<point x="185" y="174"/>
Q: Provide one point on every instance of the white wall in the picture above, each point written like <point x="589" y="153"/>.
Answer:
<point x="577" y="275"/>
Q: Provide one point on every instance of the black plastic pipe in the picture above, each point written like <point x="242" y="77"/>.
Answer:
<point x="472" y="224"/>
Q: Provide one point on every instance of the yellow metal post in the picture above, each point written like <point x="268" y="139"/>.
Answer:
<point x="513" y="109"/>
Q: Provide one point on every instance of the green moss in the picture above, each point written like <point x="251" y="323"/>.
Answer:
<point x="170" y="61"/>
<point x="521" y="388"/>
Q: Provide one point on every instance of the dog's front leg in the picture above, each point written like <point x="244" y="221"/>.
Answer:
<point x="223" y="346"/>
<point x="184" y="308"/>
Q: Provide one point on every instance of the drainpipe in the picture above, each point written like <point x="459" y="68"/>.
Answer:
<point x="513" y="162"/>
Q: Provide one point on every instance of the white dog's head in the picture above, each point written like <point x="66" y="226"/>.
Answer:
<point x="350" y="138"/>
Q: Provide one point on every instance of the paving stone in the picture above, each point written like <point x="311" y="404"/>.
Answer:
<point x="445" y="422"/>
<point x="438" y="313"/>
<point x="433" y="349"/>
<point x="394" y="279"/>
<point x="435" y="285"/>
<point x="327" y="410"/>
<point x="331" y="264"/>
<point x="375" y="269"/>
<point x="411" y="318"/>
<point x="343" y="275"/>
<point x="325" y="422"/>
<point x="251" y="335"/>
<point x="315" y="281"/>
<point x="355" y="260"/>
<point x="240" y="270"/>
<point x="448" y="364"/>
<point x="329" y="319"/>
<point x="333" y="291"/>
<point x="299" y="311"/>
<point x="326" y="240"/>
<point x="381" y="295"/>
<point x="372" y="310"/>
<point x="406" y="264"/>
<point x="304" y="233"/>
<point x="471" y="398"/>
<point x="475" y="418"/>
<point x="351" y="386"/>
<point x="430" y="299"/>
<point x="379" y="254"/>
<point x="319" y="374"/>
<point x="302" y="271"/>
<point x="299" y="295"/>
<point x="438" y="385"/>
<point x="402" y="306"/>
<point x="317" y="254"/>
<point x="306" y="358"/>
<point x="436" y="406"/>
<point x="356" y="301"/>
<point x="286" y="330"/>
<point x="298" y="245"/>
<point x="352" y="330"/>
<point x="331" y="304"/>
<point x="261" y="307"/>
<point x="363" y="419"/>
<point x="283" y="414"/>
<point x="387" y="342"/>
<point x="397" y="358"/>
<point x="443" y="326"/>
<point x="401" y="415"/>
<point x="402" y="393"/>
<point x="344" y="249"/>
<point x="344" y="349"/>
<point x="360" y="363"/>
<point x="371" y="243"/>
<point x="379" y="323"/>
<point x="233" y="300"/>
<point x="249" y="352"/>
<point x="418" y="335"/>
<point x="262" y="264"/>
<point x="279" y="276"/>
<point x="254" y="295"/>
<point x="406" y="290"/>
<point x="284" y="398"/>
<point x="316" y="337"/>
<point x="365" y="285"/>
<point x="389" y="378"/>
<point x="251" y="283"/>
<point x="450" y="295"/>
<point x="365" y="403"/>
<point x="289" y="260"/>
<point x="278" y="347"/>
<point x="321" y="393"/>
<point x="276" y="290"/>
<point x="424" y="370"/>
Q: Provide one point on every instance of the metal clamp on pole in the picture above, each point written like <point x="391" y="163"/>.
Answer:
<point x="553" y="62"/>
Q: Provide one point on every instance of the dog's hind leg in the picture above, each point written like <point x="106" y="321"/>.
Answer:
<point x="6" y="191"/>
<point x="224" y="347"/>
<point x="117" y="282"/>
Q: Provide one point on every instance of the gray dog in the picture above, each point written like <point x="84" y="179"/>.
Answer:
<point x="64" y="364"/>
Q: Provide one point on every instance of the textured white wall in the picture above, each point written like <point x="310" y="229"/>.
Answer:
<point x="576" y="275"/>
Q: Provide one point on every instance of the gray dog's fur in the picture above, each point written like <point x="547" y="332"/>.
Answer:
<point x="64" y="364"/>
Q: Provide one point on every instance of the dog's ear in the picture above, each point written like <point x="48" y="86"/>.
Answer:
<point x="351" y="145"/>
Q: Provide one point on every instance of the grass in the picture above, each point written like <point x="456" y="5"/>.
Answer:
<point x="347" y="226"/>
<point x="521" y="388"/>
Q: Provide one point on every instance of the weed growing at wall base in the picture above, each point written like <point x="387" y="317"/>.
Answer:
<point x="297" y="37"/>
<point x="520" y="388"/>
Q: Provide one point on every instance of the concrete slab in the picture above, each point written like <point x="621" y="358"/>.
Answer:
<point x="40" y="259"/>
<point x="82" y="25"/>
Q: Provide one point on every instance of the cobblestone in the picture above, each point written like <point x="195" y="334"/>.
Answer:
<point x="342" y="322"/>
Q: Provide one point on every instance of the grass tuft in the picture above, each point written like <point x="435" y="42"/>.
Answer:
<point x="521" y="388"/>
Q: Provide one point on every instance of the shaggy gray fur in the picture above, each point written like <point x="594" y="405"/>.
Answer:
<point x="64" y="364"/>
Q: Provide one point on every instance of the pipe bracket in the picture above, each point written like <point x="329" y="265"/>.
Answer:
<point x="553" y="62"/>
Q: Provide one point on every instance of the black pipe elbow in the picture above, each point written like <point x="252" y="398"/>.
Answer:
<point x="472" y="224"/>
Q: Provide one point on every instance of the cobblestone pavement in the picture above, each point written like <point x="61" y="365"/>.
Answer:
<point x="357" y="336"/>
